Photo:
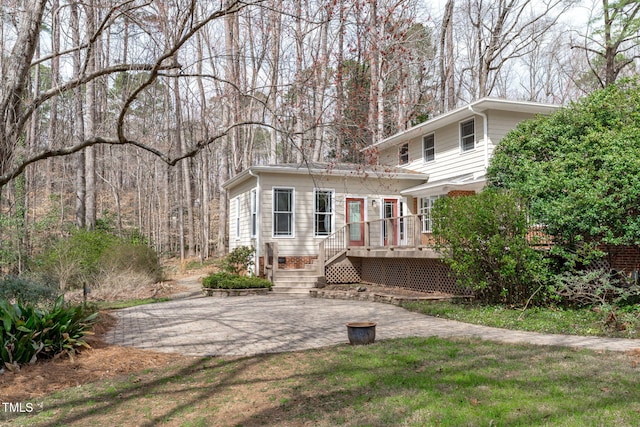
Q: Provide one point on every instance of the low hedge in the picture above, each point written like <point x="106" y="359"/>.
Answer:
<point x="26" y="291"/>
<point x="224" y="280"/>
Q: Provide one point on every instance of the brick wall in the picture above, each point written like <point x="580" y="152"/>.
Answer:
<point x="459" y="193"/>
<point x="295" y="262"/>
<point x="290" y="262"/>
<point x="624" y="258"/>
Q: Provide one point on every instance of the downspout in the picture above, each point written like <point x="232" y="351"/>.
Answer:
<point x="485" y="122"/>
<point x="256" y="264"/>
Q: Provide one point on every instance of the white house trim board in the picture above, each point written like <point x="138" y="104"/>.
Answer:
<point x="326" y="171"/>
<point x="237" y="218"/>
<point x="471" y="182"/>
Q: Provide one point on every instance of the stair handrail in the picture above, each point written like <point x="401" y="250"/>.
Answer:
<point x="332" y="246"/>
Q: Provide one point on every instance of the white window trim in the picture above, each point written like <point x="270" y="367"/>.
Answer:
<point x="333" y="212"/>
<point x="237" y="219"/>
<point x="475" y="142"/>
<point x="293" y="213"/>
<point x="253" y="213"/>
<point x="424" y="157"/>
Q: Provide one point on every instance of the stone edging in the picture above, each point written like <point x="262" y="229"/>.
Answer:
<point x="374" y="297"/>
<point x="209" y="292"/>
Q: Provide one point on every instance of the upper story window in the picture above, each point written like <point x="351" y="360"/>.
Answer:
<point x="467" y="135"/>
<point x="403" y="154"/>
<point x="323" y="212"/>
<point x="283" y="212"/>
<point x="429" y="148"/>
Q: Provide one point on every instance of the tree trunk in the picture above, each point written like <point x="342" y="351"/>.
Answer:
<point x="16" y="74"/>
<point x="55" y="80"/>
<point x="276" y="27"/>
<point x="78" y="124"/>
<point x="447" y="90"/>
<point x="90" y="124"/>
<point x="375" y="77"/>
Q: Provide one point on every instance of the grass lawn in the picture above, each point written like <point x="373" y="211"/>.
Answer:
<point x="404" y="382"/>
<point x="551" y="320"/>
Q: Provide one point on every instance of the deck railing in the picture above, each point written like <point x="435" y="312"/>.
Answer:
<point x="333" y="246"/>
<point x="397" y="232"/>
<point x="404" y="232"/>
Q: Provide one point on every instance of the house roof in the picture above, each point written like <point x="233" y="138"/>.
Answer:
<point x="471" y="181"/>
<point x="328" y="169"/>
<point x="461" y="113"/>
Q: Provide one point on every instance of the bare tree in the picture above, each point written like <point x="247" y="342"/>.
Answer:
<point x="15" y="111"/>
<point x="499" y="33"/>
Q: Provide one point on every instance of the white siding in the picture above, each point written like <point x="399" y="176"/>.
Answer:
<point x="304" y="243"/>
<point x="243" y="194"/>
<point x="450" y="161"/>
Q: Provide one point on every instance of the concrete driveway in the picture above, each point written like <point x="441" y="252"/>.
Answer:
<point x="242" y="326"/>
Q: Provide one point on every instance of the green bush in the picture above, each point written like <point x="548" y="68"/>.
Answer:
<point x="28" y="333"/>
<point x="224" y="280"/>
<point x="74" y="261"/>
<point x="85" y="256"/>
<point x="484" y="241"/>
<point x="238" y="260"/>
<point x="132" y="257"/>
<point x="26" y="291"/>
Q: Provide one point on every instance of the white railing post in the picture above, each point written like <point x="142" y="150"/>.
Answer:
<point x="367" y="234"/>
<point x="322" y="256"/>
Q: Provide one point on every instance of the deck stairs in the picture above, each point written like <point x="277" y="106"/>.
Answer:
<point x="297" y="281"/>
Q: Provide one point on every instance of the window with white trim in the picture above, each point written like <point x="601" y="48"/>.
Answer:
<point x="237" y="219"/>
<point x="424" y="209"/>
<point x="283" y="212"/>
<point x="254" y="212"/>
<point x="323" y="212"/>
<point x="429" y="147"/>
<point x="403" y="154"/>
<point x="467" y="135"/>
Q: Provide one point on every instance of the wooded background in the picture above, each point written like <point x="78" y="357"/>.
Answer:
<point x="130" y="114"/>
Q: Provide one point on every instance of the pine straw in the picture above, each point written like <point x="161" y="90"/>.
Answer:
<point x="100" y="362"/>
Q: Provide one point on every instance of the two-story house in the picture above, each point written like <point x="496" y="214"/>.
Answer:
<point x="344" y="223"/>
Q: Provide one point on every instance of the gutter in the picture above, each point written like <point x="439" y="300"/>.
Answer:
<point x="256" y="262"/>
<point x="485" y="122"/>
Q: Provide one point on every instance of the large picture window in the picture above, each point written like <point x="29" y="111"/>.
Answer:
<point x="429" y="148"/>
<point x="323" y="212"/>
<point x="467" y="135"/>
<point x="283" y="212"/>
